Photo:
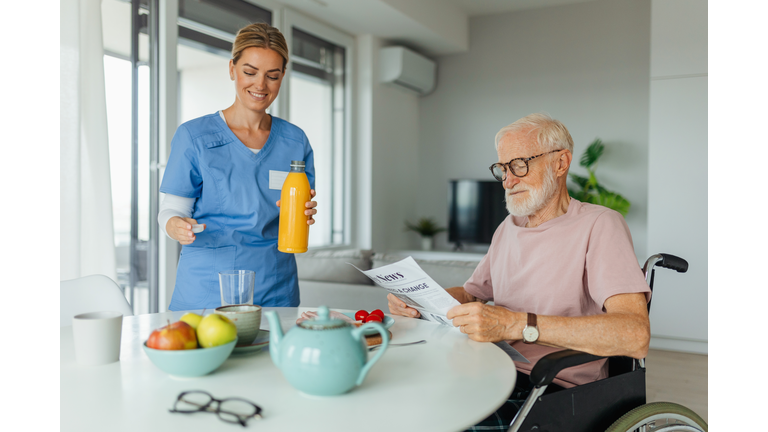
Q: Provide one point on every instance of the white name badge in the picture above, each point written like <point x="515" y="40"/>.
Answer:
<point x="276" y="179"/>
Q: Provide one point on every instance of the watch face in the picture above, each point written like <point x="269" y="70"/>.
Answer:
<point x="530" y="334"/>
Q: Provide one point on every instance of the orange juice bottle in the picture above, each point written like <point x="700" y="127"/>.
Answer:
<point x="293" y="236"/>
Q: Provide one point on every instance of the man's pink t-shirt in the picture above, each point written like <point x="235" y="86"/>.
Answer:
<point x="568" y="266"/>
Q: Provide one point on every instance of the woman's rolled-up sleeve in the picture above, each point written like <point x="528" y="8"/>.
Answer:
<point x="182" y="173"/>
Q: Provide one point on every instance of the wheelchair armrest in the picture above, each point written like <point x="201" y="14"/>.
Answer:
<point x="550" y="365"/>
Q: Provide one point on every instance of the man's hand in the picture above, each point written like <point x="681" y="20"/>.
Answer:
<point x="485" y="323"/>
<point x="310" y="205"/>
<point x="180" y="229"/>
<point x="398" y="307"/>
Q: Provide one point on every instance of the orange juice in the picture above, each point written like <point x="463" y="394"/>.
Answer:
<point x="293" y="236"/>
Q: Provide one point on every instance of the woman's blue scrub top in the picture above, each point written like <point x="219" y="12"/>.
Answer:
<point x="235" y="201"/>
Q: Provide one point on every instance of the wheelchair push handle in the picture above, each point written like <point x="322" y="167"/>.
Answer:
<point x="664" y="260"/>
<point x="673" y="262"/>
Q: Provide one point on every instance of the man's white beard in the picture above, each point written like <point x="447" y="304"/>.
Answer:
<point x="535" y="199"/>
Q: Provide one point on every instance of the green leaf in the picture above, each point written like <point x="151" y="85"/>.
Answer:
<point x="579" y="180"/>
<point x="613" y="201"/>
<point x="600" y="189"/>
<point x="592" y="154"/>
<point x="578" y="194"/>
<point x="591" y="190"/>
<point x="592" y="183"/>
<point x="589" y="198"/>
<point x="425" y="226"/>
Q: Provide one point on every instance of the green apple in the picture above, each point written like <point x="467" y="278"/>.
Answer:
<point x="215" y="330"/>
<point x="192" y="319"/>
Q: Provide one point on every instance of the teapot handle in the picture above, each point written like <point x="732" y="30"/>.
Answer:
<point x="358" y="333"/>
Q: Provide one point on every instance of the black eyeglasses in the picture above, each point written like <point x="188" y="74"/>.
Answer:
<point x="231" y="410"/>
<point x="518" y="166"/>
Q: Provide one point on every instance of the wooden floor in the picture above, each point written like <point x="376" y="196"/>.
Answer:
<point x="677" y="377"/>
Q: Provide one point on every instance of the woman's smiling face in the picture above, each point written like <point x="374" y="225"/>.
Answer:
<point x="257" y="76"/>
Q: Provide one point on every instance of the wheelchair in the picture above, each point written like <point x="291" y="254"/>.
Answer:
<point x="613" y="404"/>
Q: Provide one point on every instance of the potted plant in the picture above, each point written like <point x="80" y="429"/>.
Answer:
<point x="427" y="228"/>
<point x="589" y="190"/>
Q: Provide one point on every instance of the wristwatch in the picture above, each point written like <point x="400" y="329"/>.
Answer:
<point x="531" y="331"/>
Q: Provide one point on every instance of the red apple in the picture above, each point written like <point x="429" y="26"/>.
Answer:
<point x="176" y="336"/>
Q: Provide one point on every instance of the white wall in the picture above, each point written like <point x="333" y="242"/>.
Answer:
<point x="389" y="127"/>
<point x="677" y="211"/>
<point x="585" y="64"/>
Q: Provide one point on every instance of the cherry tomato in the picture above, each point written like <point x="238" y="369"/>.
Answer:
<point x="360" y="315"/>
<point x="379" y="313"/>
<point x="372" y="318"/>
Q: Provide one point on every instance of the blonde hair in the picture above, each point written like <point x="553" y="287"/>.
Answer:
<point x="552" y="134"/>
<point x="259" y="35"/>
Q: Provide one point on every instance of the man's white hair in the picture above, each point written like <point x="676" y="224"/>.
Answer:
<point x="551" y="134"/>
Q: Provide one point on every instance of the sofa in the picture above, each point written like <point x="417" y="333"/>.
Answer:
<point x="327" y="278"/>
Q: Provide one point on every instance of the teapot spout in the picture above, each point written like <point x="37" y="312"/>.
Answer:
<point x="275" y="336"/>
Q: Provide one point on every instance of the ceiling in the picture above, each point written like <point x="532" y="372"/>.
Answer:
<point x="475" y="8"/>
<point x="433" y="27"/>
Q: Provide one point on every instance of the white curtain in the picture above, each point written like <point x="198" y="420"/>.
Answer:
<point x="87" y="232"/>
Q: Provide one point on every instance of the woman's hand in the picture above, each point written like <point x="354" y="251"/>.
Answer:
<point x="180" y="229"/>
<point x="310" y="205"/>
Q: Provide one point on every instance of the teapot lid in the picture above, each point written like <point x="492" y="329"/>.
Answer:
<point x="323" y="321"/>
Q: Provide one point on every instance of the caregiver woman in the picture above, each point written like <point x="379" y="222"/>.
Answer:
<point x="224" y="173"/>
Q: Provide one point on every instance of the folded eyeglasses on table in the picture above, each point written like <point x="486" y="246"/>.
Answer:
<point x="231" y="410"/>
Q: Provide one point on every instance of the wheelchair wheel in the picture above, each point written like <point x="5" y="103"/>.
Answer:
<point x="659" y="417"/>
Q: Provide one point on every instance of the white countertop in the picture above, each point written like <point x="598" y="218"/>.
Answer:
<point x="439" y="255"/>
<point x="447" y="384"/>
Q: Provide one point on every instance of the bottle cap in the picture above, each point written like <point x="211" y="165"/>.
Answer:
<point x="297" y="163"/>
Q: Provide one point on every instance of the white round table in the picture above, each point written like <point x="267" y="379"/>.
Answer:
<point x="447" y="384"/>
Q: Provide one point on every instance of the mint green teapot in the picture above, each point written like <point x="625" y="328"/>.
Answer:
<point x="323" y="356"/>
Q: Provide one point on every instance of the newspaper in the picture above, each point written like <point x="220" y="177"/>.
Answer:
<point x="408" y="282"/>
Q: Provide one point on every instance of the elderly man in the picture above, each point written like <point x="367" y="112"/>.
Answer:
<point x="562" y="274"/>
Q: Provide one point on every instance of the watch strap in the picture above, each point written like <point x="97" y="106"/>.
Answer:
<point x="532" y="319"/>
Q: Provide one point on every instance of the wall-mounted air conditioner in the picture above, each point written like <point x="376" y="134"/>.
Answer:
<point x="407" y="69"/>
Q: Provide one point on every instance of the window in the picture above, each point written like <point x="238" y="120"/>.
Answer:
<point x="318" y="104"/>
<point x="129" y="164"/>
<point x="207" y="29"/>
<point x="319" y="75"/>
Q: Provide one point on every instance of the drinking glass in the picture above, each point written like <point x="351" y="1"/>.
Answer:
<point x="236" y="287"/>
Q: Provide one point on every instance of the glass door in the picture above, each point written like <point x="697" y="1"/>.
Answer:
<point x="206" y="30"/>
<point x="318" y="106"/>
<point x="126" y="77"/>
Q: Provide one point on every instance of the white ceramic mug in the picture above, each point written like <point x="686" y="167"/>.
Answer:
<point x="247" y="319"/>
<point x="97" y="337"/>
